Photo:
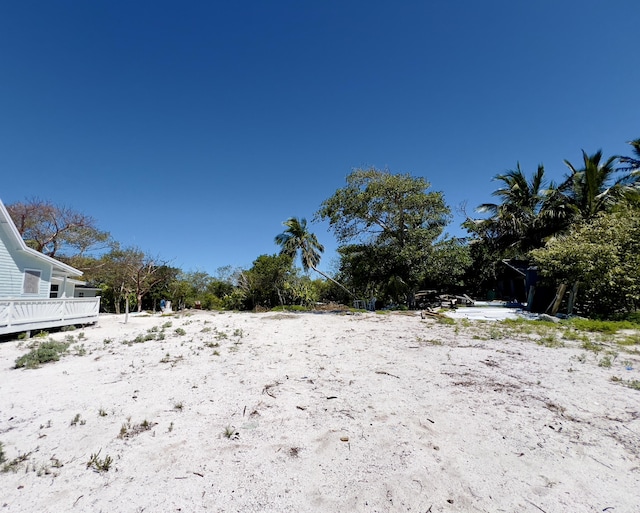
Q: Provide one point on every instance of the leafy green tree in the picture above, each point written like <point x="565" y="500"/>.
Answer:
<point x="392" y="213"/>
<point x="372" y="271"/>
<point x="129" y="274"/>
<point x="162" y="288"/>
<point x="448" y="265"/>
<point x="264" y="283"/>
<point x="181" y="291"/>
<point x="298" y="239"/>
<point x="603" y="256"/>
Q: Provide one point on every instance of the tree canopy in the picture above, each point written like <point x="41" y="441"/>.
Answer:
<point x="55" y="230"/>
<point x="394" y="220"/>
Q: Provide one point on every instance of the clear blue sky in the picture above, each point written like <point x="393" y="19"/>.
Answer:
<point x="193" y="129"/>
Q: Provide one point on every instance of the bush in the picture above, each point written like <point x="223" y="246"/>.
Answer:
<point x="45" y="352"/>
<point x="604" y="257"/>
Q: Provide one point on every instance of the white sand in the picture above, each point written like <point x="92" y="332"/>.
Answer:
<point x="334" y="413"/>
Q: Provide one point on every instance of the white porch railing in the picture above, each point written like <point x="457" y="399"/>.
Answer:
<point x="31" y="314"/>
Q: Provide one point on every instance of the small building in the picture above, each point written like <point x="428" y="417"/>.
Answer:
<point x="37" y="291"/>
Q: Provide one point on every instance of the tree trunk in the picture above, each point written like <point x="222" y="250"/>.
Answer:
<point x="334" y="281"/>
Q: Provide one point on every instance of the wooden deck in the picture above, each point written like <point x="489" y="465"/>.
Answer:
<point x="17" y="315"/>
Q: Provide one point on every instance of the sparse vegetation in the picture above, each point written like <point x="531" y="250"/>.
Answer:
<point x="221" y="335"/>
<point x="79" y="350"/>
<point x="129" y="430"/>
<point x="100" y="465"/>
<point x="598" y="326"/>
<point x="592" y="346"/>
<point x="231" y="433"/>
<point x="15" y="464"/>
<point x="550" y="340"/>
<point x="77" y="420"/>
<point x="608" y="360"/>
<point x="633" y="384"/>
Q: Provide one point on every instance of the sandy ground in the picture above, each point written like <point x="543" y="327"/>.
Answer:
<point x="244" y="412"/>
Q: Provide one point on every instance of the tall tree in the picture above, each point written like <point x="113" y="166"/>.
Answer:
<point x="526" y="214"/>
<point x="129" y="272"/>
<point x="631" y="163"/>
<point x="391" y="211"/>
<point x="596" y="187"/>
<point x="55" y="230"/>
<point x="264" y="283"/>
<point x="298" y="239"/>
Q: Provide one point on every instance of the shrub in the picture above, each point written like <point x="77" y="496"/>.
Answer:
<point x="45" y="352"/>
<point x="604" y="257"/>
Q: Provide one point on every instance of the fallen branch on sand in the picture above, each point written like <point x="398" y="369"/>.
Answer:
<point x="388" y="374"/>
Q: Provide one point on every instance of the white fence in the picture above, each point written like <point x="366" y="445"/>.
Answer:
<point x="33" y="314"/>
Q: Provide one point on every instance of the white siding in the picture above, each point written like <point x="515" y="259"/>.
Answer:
<point x="12" y="264"/>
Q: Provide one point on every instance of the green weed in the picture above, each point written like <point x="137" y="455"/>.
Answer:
<point x="630" y="340"/>
<point x="129" y="430"/>
<point x="100" y="465"/>
<point x="550" y="340"/>
<point x="606" y="362"/>
<point x="79" y="350"/>
<point x="77" y="420"/>
<point x="231" y="433"/>
<point x="15" y="463"/>
<point x="592" y="346"/>
<point x="597" y="326"/>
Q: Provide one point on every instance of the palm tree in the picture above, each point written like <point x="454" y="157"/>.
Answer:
<point x="594" y="188"/>
<point x="523" y="218"/>
<point x="297" y="238"/>
<point x="632" y="163"/>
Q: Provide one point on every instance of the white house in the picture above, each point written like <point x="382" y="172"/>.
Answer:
<point x="37" y="291"/>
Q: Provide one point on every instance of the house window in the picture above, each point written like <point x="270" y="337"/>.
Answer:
<point x="31" y="281"/>
<point x="54" y="291"/>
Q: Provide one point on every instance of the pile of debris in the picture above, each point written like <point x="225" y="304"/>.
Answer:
<point x="430" y="299"/>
